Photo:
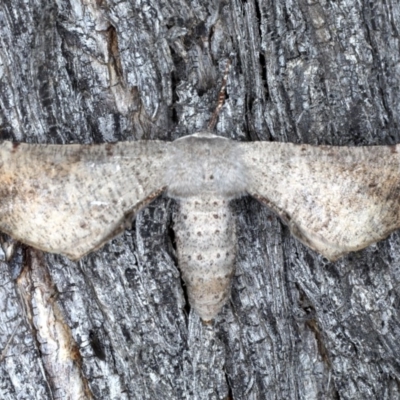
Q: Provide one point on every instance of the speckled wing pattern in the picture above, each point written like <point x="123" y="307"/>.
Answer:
<point x="71" y="199"/>
<point x="334" y="199"/>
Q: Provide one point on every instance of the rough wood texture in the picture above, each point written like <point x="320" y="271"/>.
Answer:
<point x="297" y="326"/>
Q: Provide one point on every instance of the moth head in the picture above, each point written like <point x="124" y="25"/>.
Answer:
<point x="204" y="163"/>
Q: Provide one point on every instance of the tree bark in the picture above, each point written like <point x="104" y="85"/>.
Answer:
<point x="117" y="324"/>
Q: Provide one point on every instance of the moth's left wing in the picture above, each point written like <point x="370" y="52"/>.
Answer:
<point x="334" y="199"/>
<point x="71" y="199"/>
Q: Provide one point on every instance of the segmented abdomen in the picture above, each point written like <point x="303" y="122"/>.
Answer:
<point x="206" y="244"/>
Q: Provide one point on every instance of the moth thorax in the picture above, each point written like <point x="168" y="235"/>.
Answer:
<point x="209" y="165"/>
<point x="206" y="246"/>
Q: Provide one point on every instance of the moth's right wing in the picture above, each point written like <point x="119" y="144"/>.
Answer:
<point x="334" y="199"/>
<point x="71" y="199"/>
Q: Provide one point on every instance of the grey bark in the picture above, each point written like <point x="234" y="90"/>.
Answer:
<point x="116" y="325"/>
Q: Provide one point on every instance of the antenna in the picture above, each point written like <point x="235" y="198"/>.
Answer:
<point x="221" y="98"/>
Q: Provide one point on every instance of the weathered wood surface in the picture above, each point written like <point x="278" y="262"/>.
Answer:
<point x="116" y="325"/>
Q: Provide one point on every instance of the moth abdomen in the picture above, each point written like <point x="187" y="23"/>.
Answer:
<point x="206" y="246"/>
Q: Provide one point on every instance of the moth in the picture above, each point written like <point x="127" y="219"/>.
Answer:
<point x="71" y="199"/>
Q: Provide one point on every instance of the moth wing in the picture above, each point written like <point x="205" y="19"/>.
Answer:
<point x="334" y="199"/>
<point x="71" y="199"/>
